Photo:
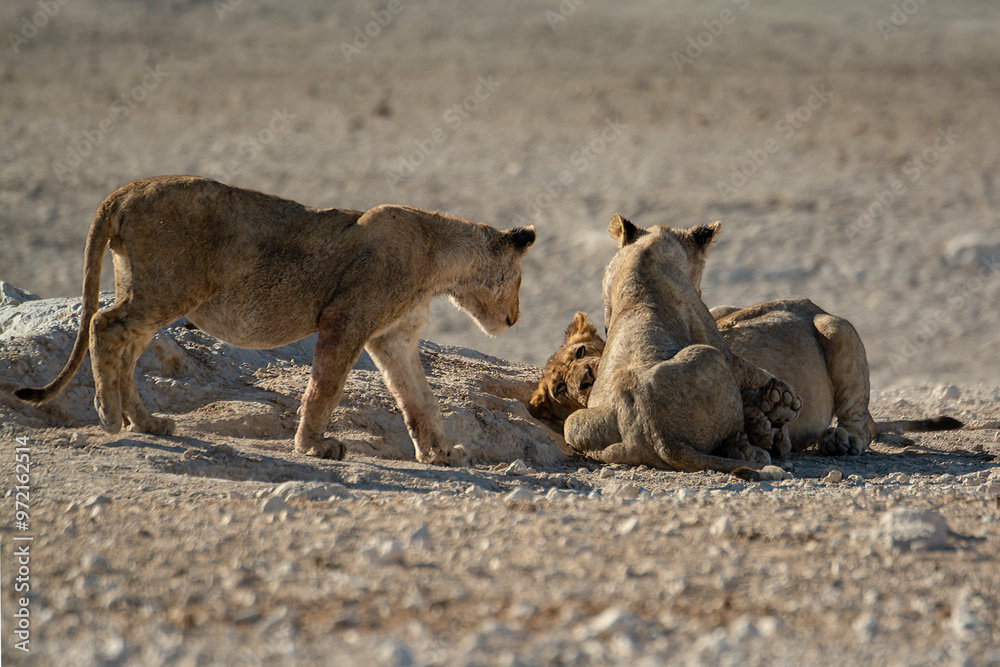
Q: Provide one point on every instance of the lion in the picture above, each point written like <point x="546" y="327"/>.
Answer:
<point x="669" y="393"/>
<point x="568" y="375"/>
<point x="258" y="271"/>
<point x="819" y="354"/>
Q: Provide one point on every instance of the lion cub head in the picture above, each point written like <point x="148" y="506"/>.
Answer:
<point x="569" y="374"/>
<point x="490" y="297"/>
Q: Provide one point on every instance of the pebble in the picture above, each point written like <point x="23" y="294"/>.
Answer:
<point x="421" y="537"/>
<point x="613" y="620"/>
<point x="520" y="494"/>
<point x="517" y="468"/>
<point x="275" y="505"/>
<point x="628" y="526"/>
<point x="77" y="440"/>
<point x="722" y="527"/>
<point x="948" y="391"/>
<point x="385" y="552"/>
<point x="833" y="475"/>
<point x="606" y="473"/>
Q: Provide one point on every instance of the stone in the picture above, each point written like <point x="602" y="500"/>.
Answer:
<point x="912" y="530"/>
<point x="520" y="494"/>
<point x="833" y="475"/>
<point x="275" y="505"/>
<point x="298" y="490"/>
<point x="722" y="527"/>
<point x="949" y="392"/>
<point x="518" y="467"/>
<point x="628" y="525"/>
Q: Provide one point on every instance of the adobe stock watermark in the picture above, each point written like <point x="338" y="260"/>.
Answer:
<point x="454" y="117"/>
<point x="121" y="109"/>
<point x="565" y="9"/>
<point x="913" y="170"/>
<point x="901" y="13"/>
<point x="580" y="161"/>
<point x="365" y="34"/>
<point x="29" y="27"/>
<point x="223" y="7"/>
<point x="695" y="45"/>
<point x="251" y="146"/>
<point x="786" y="128"/>
<point x="957" y="299"/>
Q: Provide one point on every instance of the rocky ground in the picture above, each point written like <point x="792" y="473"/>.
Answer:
<point x="850" y="151"/>
<point x="221" y="546"/>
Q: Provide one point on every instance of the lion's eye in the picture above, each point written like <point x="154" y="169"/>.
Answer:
<point x="561" y="388"/>
<point x="580" y="351"/>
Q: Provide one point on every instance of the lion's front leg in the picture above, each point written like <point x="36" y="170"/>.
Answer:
<point x="395" y="354"/>
<point x="337" y="349"/>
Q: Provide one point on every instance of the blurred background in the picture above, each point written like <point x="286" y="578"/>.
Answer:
<point x="851" y="149"/>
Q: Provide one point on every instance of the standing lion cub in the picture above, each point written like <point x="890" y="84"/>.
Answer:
<point x="258" y="271"/>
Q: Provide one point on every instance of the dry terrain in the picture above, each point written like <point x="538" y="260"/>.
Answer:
<point x="850" y="150"/>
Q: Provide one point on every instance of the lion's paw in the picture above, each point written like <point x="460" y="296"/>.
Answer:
<point x="321" y="448"/>
<point x="779" y="401"/>
<point x="836" y="441"/>
<point x="154" y="425"/>
<point x="456" y="457"/>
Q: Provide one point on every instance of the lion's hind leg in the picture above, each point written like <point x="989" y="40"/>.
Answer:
<point x="137" y="417"/>
<point x="594" y="434"/>
<point x="848" y="367"/>
<point x="117" y="338"/>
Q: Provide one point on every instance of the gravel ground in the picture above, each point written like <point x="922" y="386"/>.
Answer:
<point x="850" y="151"/>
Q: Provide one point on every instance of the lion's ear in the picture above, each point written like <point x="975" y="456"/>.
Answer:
<point x="520" y="238"/>
<point x="538" y="405"/>
<point x="623" y="231"/>
<point x="580" y="329"/>
<point x="702" y="236"/>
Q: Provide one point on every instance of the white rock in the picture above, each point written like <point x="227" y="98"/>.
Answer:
<point x="974" y="249"/>
<point x="949" y="392"/>
<point x="421" y="537"/>
<point x="833" y="475"/>
<point x="913" y="530"/>
<point x="722" y="527"/>
<point x="628" y="525"/>
<point x="613" y="620"/>
<point x="518" y="467"/>
<point x="97" y="501"/>
<point x="275" y="505"/>
<point x="298" y="490"/>
<point x="520" y="494"/>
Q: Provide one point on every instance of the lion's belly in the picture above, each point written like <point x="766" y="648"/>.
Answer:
<point x="251" y="324"/>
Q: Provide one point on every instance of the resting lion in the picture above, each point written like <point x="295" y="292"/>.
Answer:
<point x="820" y="354"/>
<point x="258" y="271"/>
<point x="668" y="391"/>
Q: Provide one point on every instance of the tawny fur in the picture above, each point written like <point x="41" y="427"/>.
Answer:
<point x="259" y="271"/>
<point x="668" y="390"/>
<point x="820" y="354"/>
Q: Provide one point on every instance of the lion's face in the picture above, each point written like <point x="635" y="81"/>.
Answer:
<point x="491" y="300"/>
<point x="569" y="374"/>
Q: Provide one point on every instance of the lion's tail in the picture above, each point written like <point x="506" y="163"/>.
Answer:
<point x="686" y="458"/>
<point x="97" y="242"/>
<point x="940" y="423"/>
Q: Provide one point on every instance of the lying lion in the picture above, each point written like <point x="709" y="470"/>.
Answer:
<point x="258" y="271"/>
<point x="820" y="354"/>
<point x="668" y="394"/>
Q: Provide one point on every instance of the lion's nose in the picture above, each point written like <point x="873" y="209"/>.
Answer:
<point x="511" y="321"/>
